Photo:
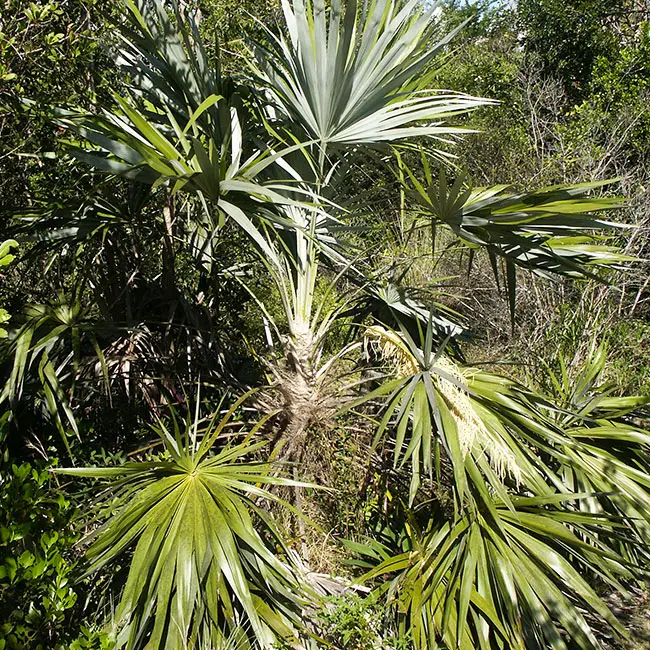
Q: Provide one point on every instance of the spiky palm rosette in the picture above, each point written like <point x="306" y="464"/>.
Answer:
<point x="207" y="560"/>
<point x="529" y="531"/>
<point x="451" y="383"/>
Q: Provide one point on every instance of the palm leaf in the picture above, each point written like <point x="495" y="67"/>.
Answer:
<point x="496" y="432"/>
<point x="552" y="231"/>
<point x="499" y="580"/>
<point x="204" y="555"/>
<point x="174" y="127"/>
<point x="46" y="351"/>
<point x="359" y="76"/>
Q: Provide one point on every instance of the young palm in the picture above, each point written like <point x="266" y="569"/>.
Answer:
<point x="205" y="563"/>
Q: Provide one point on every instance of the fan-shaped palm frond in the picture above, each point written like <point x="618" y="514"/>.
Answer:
<point x="551" y="231"/>
<point x="174" y="128"/>
<point x="539" y="506"/>
<point x="205" y="560"/>
<point x="427" y="405"/>
<point x="359" y="76"/>
<point x="557" y="450"/>
<point x="506" y="577"/>
<point x="610" y="461"/>
<point x="50" y="343"/>
<point x="166" y="63"/>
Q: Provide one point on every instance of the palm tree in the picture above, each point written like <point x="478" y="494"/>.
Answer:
<point x="200" y="572"/>
<point x="516" y="503"/>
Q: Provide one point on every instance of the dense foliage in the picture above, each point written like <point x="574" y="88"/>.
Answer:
<point x="261" y="279"/>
